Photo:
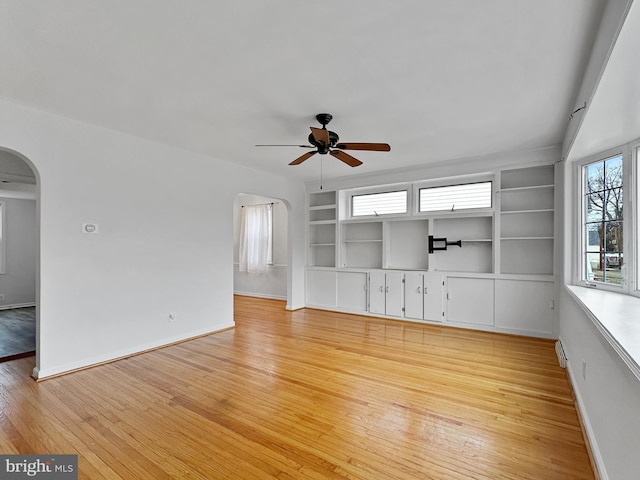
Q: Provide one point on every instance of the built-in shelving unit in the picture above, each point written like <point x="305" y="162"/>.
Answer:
<point x="526" y="221"/>
<point x="361" y="245"/>
<point x="322" y="229"/>
<point x="407" y="244"/>
<point x="476" y="253"/>
<point x="499" y="279"/>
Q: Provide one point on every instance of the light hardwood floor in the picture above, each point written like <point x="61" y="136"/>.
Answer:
<point x="308" y="394"/>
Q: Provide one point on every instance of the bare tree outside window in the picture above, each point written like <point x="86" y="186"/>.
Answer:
<point x="603" y="221"/>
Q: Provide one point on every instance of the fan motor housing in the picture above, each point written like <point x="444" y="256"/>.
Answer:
<point x="322" y="148"/>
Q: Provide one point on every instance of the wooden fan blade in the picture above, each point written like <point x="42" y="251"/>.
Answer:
<point x="302" y="158"/>
<point x="374" y="147"/>
<point x="321" y="135"/>
<point x="346" y="158"/>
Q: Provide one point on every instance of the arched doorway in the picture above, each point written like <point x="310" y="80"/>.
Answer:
<point x="274" y="282"/>
<point x="19" y="260"/>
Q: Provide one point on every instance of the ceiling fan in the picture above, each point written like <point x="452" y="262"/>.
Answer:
<point x="326" y="141"/>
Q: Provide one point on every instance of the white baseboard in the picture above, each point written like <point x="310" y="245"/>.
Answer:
<point x="17" y="305"/>
<point x="601" y="472"/>
<point x="260" y="295"/>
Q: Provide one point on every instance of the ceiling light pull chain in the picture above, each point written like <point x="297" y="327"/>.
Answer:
<point x="321" y="157"/>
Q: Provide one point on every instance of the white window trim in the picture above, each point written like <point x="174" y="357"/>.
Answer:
<point x="630" y="224"/>
<point x="633" y="247"/>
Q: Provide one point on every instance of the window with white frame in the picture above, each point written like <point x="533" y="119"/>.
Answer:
<point x="455" y="197"/>
<point x="375" y="204"/>
<point x="603" y="221"/>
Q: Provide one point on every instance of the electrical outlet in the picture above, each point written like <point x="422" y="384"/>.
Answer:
<point x="1" y="297"/>
<point x="172" y="317"/>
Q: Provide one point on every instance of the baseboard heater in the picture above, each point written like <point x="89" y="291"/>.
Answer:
<point x="562" y="358"/>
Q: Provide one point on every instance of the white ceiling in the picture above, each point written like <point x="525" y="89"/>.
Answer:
<point x="435" y="79"/>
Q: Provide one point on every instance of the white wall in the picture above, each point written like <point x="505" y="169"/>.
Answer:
<point x="165" y="241"/>
<point x="609" y="396"/>
<point x="273" y="282"/>
<point x="18" y="283"/>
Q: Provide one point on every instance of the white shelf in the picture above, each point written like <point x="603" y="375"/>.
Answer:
<point x="529" y="187"/>
<point x="526" y="238"/>
<point x="322" y="222"/>
<point x="373" y="240"/>
<point x="323" y="207"/>
<point x="515" y="212"/>
<point x="322" y="244"/>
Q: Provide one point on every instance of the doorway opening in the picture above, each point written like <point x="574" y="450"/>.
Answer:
<point x="273" y="281"/>
<point x="19" y="265"/>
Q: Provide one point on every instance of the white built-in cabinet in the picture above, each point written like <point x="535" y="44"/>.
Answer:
<point x="385" y="293"/>
<point x="423" y="296"/>
<point x="501" y="278"/>
<point x="352" y="289"/>
<point x="470" y="300"/>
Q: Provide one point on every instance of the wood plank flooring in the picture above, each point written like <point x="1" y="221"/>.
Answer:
<point x="308" y="395"/>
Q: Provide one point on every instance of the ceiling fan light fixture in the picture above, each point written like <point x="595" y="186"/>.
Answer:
<point x="324" y="140"/>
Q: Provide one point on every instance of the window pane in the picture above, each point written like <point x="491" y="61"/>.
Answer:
<point x="594" y="231"/>
<point x="603" y="215"/>
<point x="593" y="269"/>
<point x="613" y="172"/>
<point x="595" y="201"/>
<point x="613" y="237"/>
<point x="456" y="197"/>
<point x="379" y="203"/>
<point x="595" y="177"/>
<point x="614" y="204"/>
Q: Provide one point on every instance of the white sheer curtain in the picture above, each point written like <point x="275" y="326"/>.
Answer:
<point x="255" y="238"/>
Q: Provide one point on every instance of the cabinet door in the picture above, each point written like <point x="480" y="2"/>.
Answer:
<point x="525" y="306"/>
<point x="394" y="294"/>
<point x="352" y="291"/>
<point x="470" y="300"/>
<point x="432" y="293"/>
<point x="377" y="292"/>
<point x="321" y="288"/>
<point x="413" y="295"/>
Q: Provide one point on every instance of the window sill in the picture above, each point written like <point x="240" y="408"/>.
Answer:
<point x="617" y="317"/>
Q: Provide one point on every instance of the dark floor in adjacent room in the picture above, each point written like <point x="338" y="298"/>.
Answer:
<point x="17" y="332"/>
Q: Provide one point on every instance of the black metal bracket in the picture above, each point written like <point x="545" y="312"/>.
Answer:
<point x="441" y="243"/>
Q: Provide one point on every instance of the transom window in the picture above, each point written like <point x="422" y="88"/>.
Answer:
<point x="603" y="221"/>
<point x="455" y="197"/>
<point x="386" y="203"/>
